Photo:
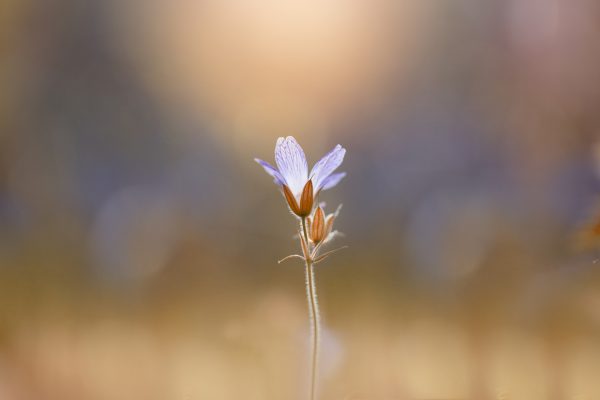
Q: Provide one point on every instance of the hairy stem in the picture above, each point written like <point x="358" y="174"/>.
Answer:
<point x="313" y="307"/>
<point x="304" y="231"/>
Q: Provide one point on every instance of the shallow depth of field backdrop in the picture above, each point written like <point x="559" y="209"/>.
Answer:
<point x="138" y="239"/>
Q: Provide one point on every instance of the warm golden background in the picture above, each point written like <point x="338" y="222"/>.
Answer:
<point x="138" y="239"/>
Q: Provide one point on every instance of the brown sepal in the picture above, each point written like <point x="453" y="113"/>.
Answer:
<point x="329" y="224"/>
<point x="291" y="200"/>
<point x="306" y="200"/>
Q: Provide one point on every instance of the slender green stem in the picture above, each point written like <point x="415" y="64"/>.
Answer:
<point x="304" y="232"/>
<point x="313" y="306"/>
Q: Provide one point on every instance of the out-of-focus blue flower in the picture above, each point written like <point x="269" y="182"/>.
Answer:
<point x="292" y="168"/>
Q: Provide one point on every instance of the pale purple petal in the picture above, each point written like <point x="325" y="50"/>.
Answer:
<point x="291" y="162"/>
<point x="332" y="180"/>
<point x="326" y="166"/>
<point x="271" y="171"/>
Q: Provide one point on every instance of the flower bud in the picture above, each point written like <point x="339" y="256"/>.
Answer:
<point x="317" y="232"/>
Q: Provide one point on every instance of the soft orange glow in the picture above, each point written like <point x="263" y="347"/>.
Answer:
<point x="264" y="67"/>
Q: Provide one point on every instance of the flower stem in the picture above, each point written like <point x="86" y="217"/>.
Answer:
<point x="313" y="307"/>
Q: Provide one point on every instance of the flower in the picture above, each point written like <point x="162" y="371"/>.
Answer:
<point x="299" y="187"/>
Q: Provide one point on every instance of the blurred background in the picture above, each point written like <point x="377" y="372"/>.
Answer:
<point x="138" y="239"/>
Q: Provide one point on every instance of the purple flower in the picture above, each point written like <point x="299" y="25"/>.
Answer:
<point x="292" y="174"/>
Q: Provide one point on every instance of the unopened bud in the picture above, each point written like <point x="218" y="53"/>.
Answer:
<point x="317" y="232"/>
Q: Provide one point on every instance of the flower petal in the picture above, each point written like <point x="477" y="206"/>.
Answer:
<point x="332" y="180"/>
<point x="291" y="162"/>
<point x="326" y="166"/>
<point x="269" y="169"/>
